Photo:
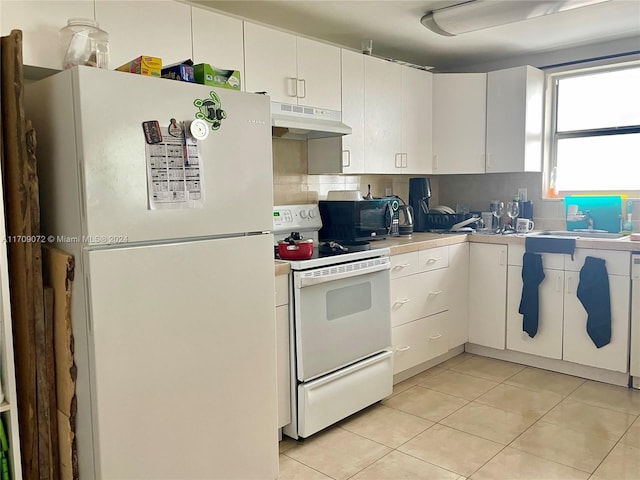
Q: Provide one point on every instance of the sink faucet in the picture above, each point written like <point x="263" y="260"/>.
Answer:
<point x="589" y="219"/>
<point x="573" y="217"/>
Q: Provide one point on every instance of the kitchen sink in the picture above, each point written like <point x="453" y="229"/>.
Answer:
<point x="581" y="234"/>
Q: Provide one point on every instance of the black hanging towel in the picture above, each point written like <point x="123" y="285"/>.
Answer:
<point x="532" y="277"/>
<point x="593" y="293"/>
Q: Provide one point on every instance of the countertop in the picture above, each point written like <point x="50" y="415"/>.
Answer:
<point x="423" y="241"/>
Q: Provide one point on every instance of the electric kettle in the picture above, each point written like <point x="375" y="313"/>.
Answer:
<point x="405" y="220"/>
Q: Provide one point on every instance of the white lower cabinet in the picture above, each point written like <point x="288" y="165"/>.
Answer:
<point x="419" y="341"/>
<point x="577" y="345"/>
<point x="548" y="340"/>
<point x="487" y="294"/>
<point x="562" y="323"/>
<point x="417" y="296"/>
<point x="426" y="287"/>
<point x="282" y="350"/>
<point x="457" y="284"/>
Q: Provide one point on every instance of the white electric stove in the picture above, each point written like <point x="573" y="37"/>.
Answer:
<point x="340" y="321"/>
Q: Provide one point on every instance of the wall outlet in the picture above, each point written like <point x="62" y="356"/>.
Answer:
<point x="522" y="194"/>
<point x="387" y="192"/>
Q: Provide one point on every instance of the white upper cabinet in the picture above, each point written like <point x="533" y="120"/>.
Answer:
<point x="383" y="116"/>
<point x="319" y="77"/>
<point x="270" y="62"/>
<point x="388" y="107"/>
<point x="353" y="111"/>
<point x="459" y="122"/>
<point x="292" y="69"/>
<point x="217" y="40"/>
<point x="40" y="22"/>
<point x="155" y="28"/>
<point x="397" y="105"/>
<point x="514" y="120"/>
<point x="417" y="87"/>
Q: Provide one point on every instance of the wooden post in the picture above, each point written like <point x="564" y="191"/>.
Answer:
<point x="25" y="262"/>
<point x="58" y="269"/>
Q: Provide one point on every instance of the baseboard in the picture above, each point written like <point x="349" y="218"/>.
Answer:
<point x="410" y="372"/>
<point x="560" y="366"/>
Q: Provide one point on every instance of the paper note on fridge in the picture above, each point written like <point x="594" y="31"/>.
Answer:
<point x="174" y="173"/>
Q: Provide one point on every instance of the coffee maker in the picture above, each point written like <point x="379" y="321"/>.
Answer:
<point x="419" y="195"/>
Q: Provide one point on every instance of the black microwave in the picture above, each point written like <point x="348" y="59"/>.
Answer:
<point x="358" y="220"/>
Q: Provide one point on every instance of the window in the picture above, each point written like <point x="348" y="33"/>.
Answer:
<point x="596" y="130"/>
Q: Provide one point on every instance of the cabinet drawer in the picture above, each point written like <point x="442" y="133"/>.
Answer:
<point x="419" y="341"/>
<point x="549" y="260"/>
<point x="404" y="264"/>
<point x="434" y="258"/>
<point x="617" y="263"/>
<point x="418" y="296"/>
<point x="282" y="290"/>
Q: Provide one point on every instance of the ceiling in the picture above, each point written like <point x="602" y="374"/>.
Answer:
<point x="394" y="26"/>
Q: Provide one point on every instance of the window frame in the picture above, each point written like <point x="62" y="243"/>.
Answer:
<point x="552" y="136"/>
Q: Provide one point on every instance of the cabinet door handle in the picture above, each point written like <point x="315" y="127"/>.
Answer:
<point x="400" y="266"/>
<point x="558" y="284"/>
<point x="435" y="293"/>
<point x="483" y="161"/>
<point x="404" y="160"/>
<point x="402" y="302"/>
<point x="293" y="82"/>
<point x="501" y="257"/>
<point x="569" y="286"/>
<point x="436" y="336"/>
<point x="432" y="260"/>
<point x="303" y="82"/>
<point x="404" y="348"/>
<point x="346" y="158"/>
<point x="435" y="162"/>
<point x="398" y="160"/>
<point x="489" y="160"/>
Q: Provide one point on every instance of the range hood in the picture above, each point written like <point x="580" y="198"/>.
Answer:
<point x="305" y="123"/>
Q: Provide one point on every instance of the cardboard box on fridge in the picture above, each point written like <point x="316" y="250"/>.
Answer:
<point x="216" y="77"/>
<point x="143" y="65"/>
<point x="182" y="71"/>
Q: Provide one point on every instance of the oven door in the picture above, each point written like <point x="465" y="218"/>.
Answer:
<point x="341" y="315"/>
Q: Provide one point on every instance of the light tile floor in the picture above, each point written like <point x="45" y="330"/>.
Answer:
<point x="484" y="419"/>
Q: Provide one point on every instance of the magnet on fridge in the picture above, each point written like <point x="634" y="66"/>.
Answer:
<point x="199" y="129"/>
<point x="174" y="129"/>
<point x="152" y="131"/>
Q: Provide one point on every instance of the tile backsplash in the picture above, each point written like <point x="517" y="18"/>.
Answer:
<point x="292" y="184"/>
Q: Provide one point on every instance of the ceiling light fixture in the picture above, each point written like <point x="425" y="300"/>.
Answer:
<point x="475" y="15"/>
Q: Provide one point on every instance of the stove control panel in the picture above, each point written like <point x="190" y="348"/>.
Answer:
<point x="293" y="218"/>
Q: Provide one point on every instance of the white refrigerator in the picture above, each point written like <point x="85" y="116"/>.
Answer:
<point x="173" y="297"/>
